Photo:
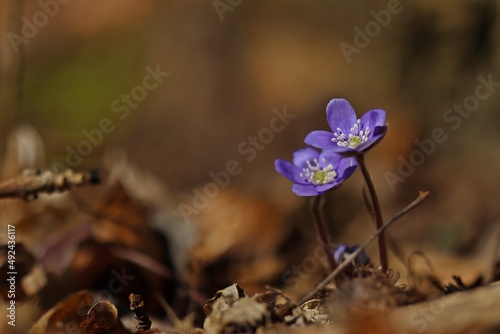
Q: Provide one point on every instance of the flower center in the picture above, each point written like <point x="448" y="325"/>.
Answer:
<point x="316" y="174"/>
<point x="356" y="137"/>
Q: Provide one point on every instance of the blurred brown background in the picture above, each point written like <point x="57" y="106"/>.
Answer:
<point x="231" y="63"/>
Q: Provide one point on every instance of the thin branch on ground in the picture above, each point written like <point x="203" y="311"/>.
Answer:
<point x="28" y="185"/>
<point x="421" y="197"/>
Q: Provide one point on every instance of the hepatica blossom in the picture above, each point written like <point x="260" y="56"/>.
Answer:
<point x="343" y="251"/>
<point x="350" y="136"/>
<point x="314" y="173"/>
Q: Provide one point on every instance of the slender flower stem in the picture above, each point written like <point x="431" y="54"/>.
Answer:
<point x="422" y="196"/>
<point x="382" y="249"/>
<point x="316" y="205"/>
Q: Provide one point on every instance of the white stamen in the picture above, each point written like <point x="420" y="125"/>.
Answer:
<point x="316" y="174"/>
<point x="357" y="136"/>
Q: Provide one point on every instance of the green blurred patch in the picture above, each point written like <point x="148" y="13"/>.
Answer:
<point x="72" y="92"/>
<point x="446" y="235"/>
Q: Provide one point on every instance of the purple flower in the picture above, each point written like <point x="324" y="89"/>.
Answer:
<point x="314" y="173"/>
<point x="343" y="251"/>
<point x="351" y="136"/>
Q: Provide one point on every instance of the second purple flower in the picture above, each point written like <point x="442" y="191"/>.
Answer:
<point x="314" y="173"/>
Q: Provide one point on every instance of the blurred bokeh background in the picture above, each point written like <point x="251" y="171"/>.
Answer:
<point x="230" y="64"/>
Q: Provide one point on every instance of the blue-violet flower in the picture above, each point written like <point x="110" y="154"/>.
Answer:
<point x="343" y="251"/>
<point x="314" y="173"/>
<point x="351" y="136"/>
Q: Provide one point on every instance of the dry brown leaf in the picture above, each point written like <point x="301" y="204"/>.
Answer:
<point x="78" y="313"/>
<point x="65" y="315"/>
<point x="237" y="231"/>
<point x="102" y="318"/>
<point x="120" y="219"/>
<point x="224" y="299"/>
<point x="233" y="311"/>
<point x="245" y="311"/>
<point x="217" y="307"/>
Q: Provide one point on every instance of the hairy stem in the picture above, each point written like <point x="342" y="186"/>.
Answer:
<point x="316" y="205"/>
<point x="382" y="248"/>
<point x="422" y="196"/>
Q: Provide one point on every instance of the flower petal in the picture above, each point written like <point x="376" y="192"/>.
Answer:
<point x="320" y="139"/>
<point x="330" y="157"/>
<point x="288" y="170"/>
<point x="338" y="255"/>
<point x="324" y="187"/>
<point x="301" y="156"/>
<point x="380" y="130"/>
<point x="380" y="120"/>
<point x="343" y="151"/>
<point x="370" y="142"/>
<point x="340" y="114"/>
<point x="344" y="251"/>
<point x="303" y="190"/>
<point x="346" y="167"/>
<point x="373" y="118"/>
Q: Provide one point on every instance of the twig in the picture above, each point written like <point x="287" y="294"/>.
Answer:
<point x="142" y="322"/>
<point x="28" y="185"/>
<point x="316" y="204"/>
<point x="421" y="197"/>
